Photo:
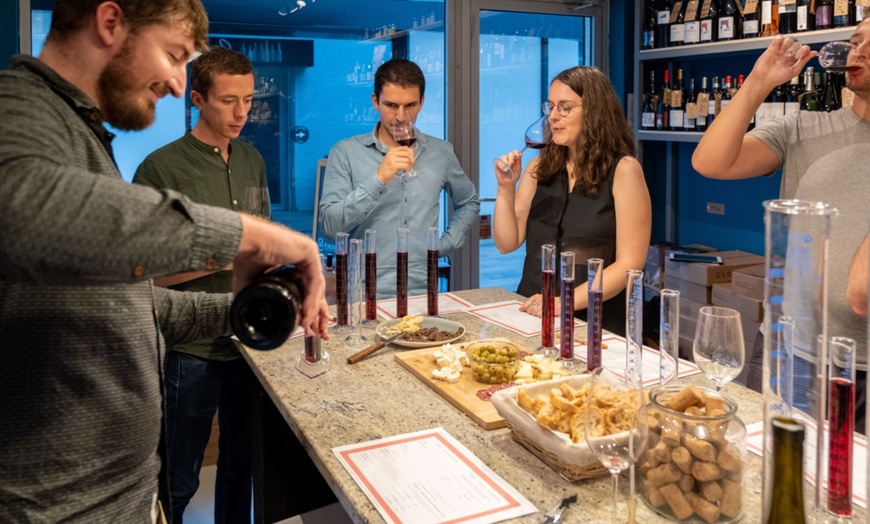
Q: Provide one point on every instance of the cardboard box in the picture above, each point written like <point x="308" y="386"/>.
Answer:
<point x="709" y="274"/>
<point x="688" y="325"/>
<point x="685" y="346"/>
<point x="749" y="281"/>
<point x="688" y="290"/>
<point x="689" y="307"/>
<point x="748" y="307"/>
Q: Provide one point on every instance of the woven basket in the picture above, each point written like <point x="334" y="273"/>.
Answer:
<point x="569" y="472"/>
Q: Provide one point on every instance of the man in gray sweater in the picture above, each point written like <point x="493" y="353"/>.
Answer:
<point x="82" y="329"/>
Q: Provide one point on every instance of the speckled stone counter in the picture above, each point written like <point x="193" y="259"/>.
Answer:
<point x="378" y="398"/>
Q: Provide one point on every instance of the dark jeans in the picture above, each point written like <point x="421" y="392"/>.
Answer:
<point x="754" y="382"/>
<point x="195" y="389"/>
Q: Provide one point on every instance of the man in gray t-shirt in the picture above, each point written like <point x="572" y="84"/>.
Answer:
<point x="821" y="158"/>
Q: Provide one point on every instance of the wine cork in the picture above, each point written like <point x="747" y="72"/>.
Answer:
<point x="704" y="471"/>
<point x="688" y="396"/>
<point x="682" y="458"/>
<point x="664" y="474"/>
<point x="676" y="501"/>
<point x="700" y="449"/>
<point x="732" y="499"/>
<point x="708" y="512"/>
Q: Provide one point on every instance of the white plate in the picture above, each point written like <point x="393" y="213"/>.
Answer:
<point x="428" y="322"/>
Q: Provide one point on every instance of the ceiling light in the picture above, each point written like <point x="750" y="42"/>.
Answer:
<point x="288" y="7"/>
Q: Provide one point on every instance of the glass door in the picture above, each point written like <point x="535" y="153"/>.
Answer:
<point x="519" y="51"/>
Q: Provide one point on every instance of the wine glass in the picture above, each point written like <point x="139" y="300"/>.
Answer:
<point x="718" y="347"/>
<point x="616" y="432"/>
<point x="257" y="201"/>
<point x="405" y="135"/>
<point x="832" y="56"/>
<point x="537" y="136"/>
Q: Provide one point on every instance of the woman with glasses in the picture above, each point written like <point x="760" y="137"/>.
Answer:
<point x="584" y="193"/>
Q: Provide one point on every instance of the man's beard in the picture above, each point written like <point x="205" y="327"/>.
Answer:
<point x="117" y="94"/>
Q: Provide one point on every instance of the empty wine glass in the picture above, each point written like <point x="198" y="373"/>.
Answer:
<point x="405" y="135"/>
<point x="618" y="436"/>
<point x="718" y="347"/>
<point x="537" y="136"/>
<point x="257" y="201"/>
<point x="833" y="56"/>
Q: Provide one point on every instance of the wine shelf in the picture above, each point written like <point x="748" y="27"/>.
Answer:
<point x="670" y="136"/>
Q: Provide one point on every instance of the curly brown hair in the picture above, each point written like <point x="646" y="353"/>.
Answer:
<point x="69" y="16"/>
<point x="605" y="136"/>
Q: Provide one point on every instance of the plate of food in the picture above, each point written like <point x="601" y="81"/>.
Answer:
<point x="420" y="331"/>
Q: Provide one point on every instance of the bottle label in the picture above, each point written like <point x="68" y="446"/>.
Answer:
<point x="692" y="32"/>
<point x="841" y="7"/>
<point x="702" y="105"/>
<point x="706" y="30"/>
<point x="676" y="98"/>
<point x="648" y="120"/>
<point x="750" y="6"/>
<point x="663" y="18"/>
<point x="726" y="27"/>
<point x="675" y="11"/>
<point x="802" y="18"/>
<point x="649" y="39"/>
<point x="691" y="11"/>
<point x="676" y="117"/>
<point x="691" y="113"/>
<point x="677" y="32"/>
<point x="766" y="13"/>
<point x="750" y="27"/>
<point x="823" y="16"/>
<point x="667" y="96"/>
<point x="705" y="8"/>
<point x="791" y="108"/>
<point x="859" y="13"/>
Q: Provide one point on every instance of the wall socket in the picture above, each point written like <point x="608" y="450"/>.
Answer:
<point x="715" y="208"/>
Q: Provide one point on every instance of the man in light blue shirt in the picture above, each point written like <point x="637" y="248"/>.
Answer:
<point x="365" y="185"/>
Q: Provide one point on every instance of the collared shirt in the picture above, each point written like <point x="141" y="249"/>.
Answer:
<point x="82" y="329"/>
<point x="354" y="200"/>
<point x="198" y="170"/>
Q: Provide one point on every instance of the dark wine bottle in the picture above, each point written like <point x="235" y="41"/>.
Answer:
<point x="648" y="117"/>
<point x="266" y="312"/>
<point x="663" y="23"/>
<point x="678" y="104"/>
<point x="793" y="96"/>
<point x="859" y="12"/>
<point x="726" y="94"/>
<point x="844" y="13"/>
<point x="709" y="14"/>
<point x="703" y="102"/>
<point x="830" y="100"/>
<point x="664" y="105"/>
<point x="824" y="13"/>
<point x="806" y="19"/>
<point x="690" y="114"/>
<point x="714" y="105"/>
<point x="787" y="17"/>
<point x="786" y="504"/>
<point x="678" y="27"/>
<point x="751" y="19"/>
<point x="730" y="22"/>
<point x="649" y="26"/>
<point x="769" y="18"/>
<point x="692" y="31"/>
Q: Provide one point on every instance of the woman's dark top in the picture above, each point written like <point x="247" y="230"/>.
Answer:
<point x="573" y="222"/>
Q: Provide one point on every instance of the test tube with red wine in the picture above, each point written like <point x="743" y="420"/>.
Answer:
<point x="313" y="361"/>
<point x="841" y="424"/>
<point x="548" y="300"/>
<point x="432" y="242"/>
<point x="566" y="350"/>
<point x="371" y="276"/>
<point x="401" y="272"/>
<point x="594" y="310"/>
<point x="342" y="308"/>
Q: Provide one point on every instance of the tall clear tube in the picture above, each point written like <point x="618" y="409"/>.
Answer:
<point x="341" y="284"/>
<point x="634" y="327"/>
<point x="594" y="312"/>
<point x="841" y="425"/>
<point x="432" y="241"/>
<point x="355" y="300"/>
<point x="548" y="300"/>
<point x="566" y="350"/>
<point x="669" y="335"/>
<point x="371" y="263"/>
<point x="401" y="272"/>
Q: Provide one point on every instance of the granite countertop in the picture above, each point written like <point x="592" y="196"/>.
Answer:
<point x="377" y="398"/>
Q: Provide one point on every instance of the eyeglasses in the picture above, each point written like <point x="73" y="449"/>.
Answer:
<point x="563" y="108"/>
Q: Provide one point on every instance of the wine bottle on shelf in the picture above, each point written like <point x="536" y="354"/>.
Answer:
<point x="678" y="14"/>
<point x="830" y="100"/>
<point x="786" y="503"/>
<point x="726" y="93"/>
<point x="806" y="20"/>
<point x="787" y="17"/>
<point x="703" y="103"/>
<point x="751" y="19"/>
<point x="809" y="99"/>
<point x="824" y="13"/>
<point x="769" y="18"/>
<point x="648" y="116"/>
<point x="709" y="14"/>
<point x="649" y="26"/>
<point x="715" y="101"/>
<point x="844" y="13"/>
<point x="730" y="22"/>
<point x="690" y="116"/>
<point x="266" y="312"/>
<point x="792" y="99"/>
<point x="678" y="104"/>
<point x="663" y="23"/>
<point x="859" y="13"/>
<point x="692" y="23"/>
<point x="664" y="105"/>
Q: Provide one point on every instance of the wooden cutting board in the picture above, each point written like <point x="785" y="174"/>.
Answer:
<point x="462" y="394"/>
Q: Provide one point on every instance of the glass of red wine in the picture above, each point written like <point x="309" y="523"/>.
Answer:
<point x="433" y="239"/>
<point x="841" y="424"/>
<point x="548" y="300"/>
<point x="401" y="272"/>
<point x="566" y="349"/>
<point x="538" y="135"/>
<point x="406" y="136"/>
<point x="371" y="264"/>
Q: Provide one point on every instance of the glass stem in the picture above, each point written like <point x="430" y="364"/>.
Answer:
<point x="615" y="477"/>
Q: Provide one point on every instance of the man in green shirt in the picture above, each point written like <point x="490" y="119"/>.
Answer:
<point x="212" y="167"/>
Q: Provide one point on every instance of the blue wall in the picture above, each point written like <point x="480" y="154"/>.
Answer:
<point x="9" y="31"/>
